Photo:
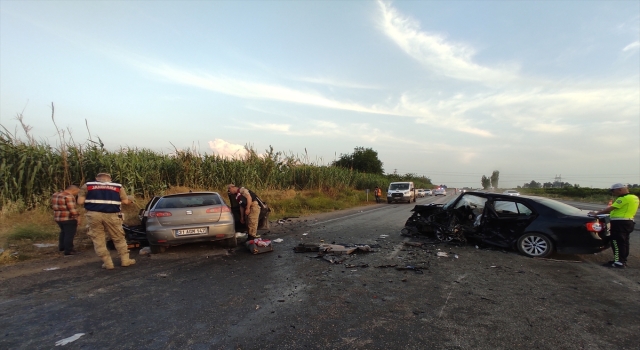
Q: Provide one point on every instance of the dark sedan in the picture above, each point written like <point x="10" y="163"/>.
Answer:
<point x="536" y="226"/>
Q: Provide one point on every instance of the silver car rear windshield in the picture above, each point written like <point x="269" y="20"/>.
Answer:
<point x="560" y="207"/>
<point x="397" y="187"/>
<point x="188" y="201"/>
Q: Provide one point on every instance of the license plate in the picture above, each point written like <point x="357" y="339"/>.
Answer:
<point x="191" y="231"/>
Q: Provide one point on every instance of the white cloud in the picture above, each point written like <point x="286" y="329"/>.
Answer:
<point x="467" y="157"/>
<point x="253" y="90"/>
<point x="338" y="83"/>
<point x="226" y="149"/>
<point x="246" y="89"/>
<point x="326" y="124"/>
<point x="548" y="106"/>
<point x="356" y="131"/>
<point x="633" y="46"/>
<point x="450" y="59"/>
<point x="282" y="128"/>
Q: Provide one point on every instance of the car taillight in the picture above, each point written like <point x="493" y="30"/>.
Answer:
<point x="220" y="209"/>
<point x="159" y="214"/>
<point x="594" y="226"/>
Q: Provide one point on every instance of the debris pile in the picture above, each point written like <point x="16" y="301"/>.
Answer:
<point x="333" y="253"/>
<point x="259" y="245"/>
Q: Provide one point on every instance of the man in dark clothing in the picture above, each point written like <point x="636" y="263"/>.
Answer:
<point x="65" y="214"/>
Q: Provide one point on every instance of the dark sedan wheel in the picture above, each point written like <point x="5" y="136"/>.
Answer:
<point x="535" y="245"/>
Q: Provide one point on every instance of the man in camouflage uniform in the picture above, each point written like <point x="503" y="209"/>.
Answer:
<point x="102" y="199"/>
<point x="249" y="208"/>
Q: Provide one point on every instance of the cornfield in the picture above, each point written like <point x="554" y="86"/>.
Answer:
<point x="30" y="171"/>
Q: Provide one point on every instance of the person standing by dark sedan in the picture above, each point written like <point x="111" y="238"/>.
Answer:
<point x="66" y="216"/>
<point x="249" y="208"/>
<point x="621" y="213"/>
<point x="102" y="199"/>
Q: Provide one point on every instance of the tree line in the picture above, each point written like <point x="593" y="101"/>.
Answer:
<point x="559" y="184"/>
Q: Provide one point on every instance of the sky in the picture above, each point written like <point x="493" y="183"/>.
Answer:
<point x="451" y="90"/>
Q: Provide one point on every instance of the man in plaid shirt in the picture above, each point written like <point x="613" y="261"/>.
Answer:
<point x="66" y="215"/>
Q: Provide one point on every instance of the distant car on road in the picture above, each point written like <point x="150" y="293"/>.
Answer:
<point x="439" y="192"/>
<point x="511" y="193"/>
<point x="428" y="193"/>
<point x="401" y="191"/>
<point x="420" y="193"/>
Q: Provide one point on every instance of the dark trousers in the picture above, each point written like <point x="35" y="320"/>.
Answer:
<point x="67" y="232"/>
<point x="620" y="230"/>
<point x="377" y="199"/>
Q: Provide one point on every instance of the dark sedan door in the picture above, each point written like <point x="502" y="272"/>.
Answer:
<point x="505" y="221"/>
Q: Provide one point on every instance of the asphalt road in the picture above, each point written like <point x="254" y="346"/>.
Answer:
<point x="204" y="297"/>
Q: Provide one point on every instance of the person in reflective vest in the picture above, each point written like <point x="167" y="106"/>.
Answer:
<point x="378" y="193"/>
<point x="622" y="214"/>
<point x="102" y="199"/>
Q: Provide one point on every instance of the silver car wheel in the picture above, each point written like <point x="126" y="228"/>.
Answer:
<point x="535" y="245"/>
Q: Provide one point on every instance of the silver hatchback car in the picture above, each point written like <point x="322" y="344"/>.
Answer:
<point x="189" y="217"/>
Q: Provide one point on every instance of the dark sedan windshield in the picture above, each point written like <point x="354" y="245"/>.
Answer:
<point x="562" y="208"/>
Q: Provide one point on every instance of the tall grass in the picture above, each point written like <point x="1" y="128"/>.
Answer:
<point x="31" y="171"/>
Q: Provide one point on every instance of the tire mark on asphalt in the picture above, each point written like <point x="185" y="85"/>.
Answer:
<point x="451" y="291"/>
<point x="397" y="249"/>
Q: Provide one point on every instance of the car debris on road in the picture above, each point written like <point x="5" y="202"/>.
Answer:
<point x="416" y="269"/>
<point x="333" y="253"/>
<point x="259" y="246"/>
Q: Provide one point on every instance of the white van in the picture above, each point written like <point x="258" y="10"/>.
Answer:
<point x="400" y="192"/>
